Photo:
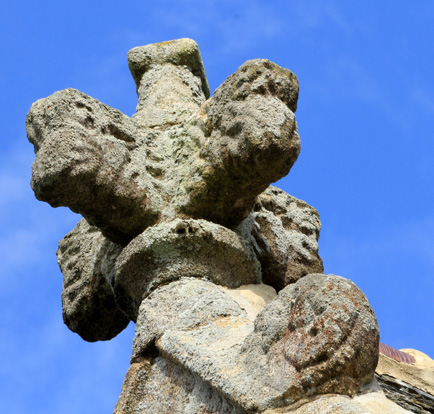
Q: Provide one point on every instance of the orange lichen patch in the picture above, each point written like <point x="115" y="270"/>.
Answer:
<point x="228" y="321"/>
<point x="165" y="43"/>
<point x="395" y="354"/>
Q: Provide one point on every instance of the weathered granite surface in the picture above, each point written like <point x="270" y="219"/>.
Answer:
<point x="83" y="148"/>
<point x="251" y="140"/>
<point x="370" y="403"/>
<point x="184" y="247"/>
<point x="316" y="336"/>
<point x="321" y="333"/>
<point x="183" y="235"/>
<point x="285" y="236"/>
<point x="87" y="261"/>
<point x="167" y="251"/>
<point x="180" y="155"/>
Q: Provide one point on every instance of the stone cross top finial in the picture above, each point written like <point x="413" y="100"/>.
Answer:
<point x="182" y="236"/>
<point x="180" y="155"/>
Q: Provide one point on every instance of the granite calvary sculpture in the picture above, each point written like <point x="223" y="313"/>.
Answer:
<point x="182" y="234"/>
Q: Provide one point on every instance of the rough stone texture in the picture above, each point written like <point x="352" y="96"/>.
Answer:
<point x="321" y="333"/>
<point x="171" y="82"/>
<point x="158" y="386"/>
<point x="251" y="298"/>
<point x="370" y="403"/>
<point x="180" y="155"/>
<point x="377" y="403"/>
<point x="282" y="251"/>
<point x="315" y="337"/>
<point x="183" y="305"/>
<point x="188" y="248"/>
<point x="327" y="404"/>
<point x="180" y="308"/>
<point x="82" y="148"/>
<point x="87" y="260"/>
<point x="251" y="141"/>
<point x="285" y="237"/>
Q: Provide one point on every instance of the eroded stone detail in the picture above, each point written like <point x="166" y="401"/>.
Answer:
<point x="316" y="336"/>
<point x="321" y="332"/>
<point x="87" y="261"/>
<point x="180" y="223"/>
<point x="83" y="148"/>
<point x="251" y="140"/>
<point x="182" y="248"/>
<point x="157" y="385"/>
<point x="286" y="238"/>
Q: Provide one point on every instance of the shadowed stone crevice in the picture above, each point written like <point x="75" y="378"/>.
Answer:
<point x="406" y="395"/>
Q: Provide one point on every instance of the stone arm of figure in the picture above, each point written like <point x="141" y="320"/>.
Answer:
<point x="250" y="140"/>
<point x="83" y="147"/>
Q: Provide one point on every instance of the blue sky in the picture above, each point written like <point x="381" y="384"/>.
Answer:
<point x="366" y="121"/>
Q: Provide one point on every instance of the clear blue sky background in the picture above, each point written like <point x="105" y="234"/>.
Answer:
<point x="366" y="121"/>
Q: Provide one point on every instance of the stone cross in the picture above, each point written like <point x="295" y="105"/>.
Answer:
<point x="180" y="155"/>
<point x="183" y="235"/>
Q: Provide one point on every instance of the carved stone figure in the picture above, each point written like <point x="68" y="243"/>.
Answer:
<point x="183" y="235"/>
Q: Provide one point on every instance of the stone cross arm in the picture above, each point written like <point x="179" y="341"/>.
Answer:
<point x="182" y="155"/>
